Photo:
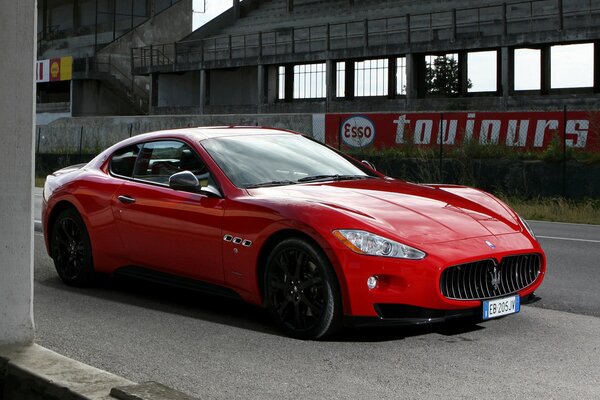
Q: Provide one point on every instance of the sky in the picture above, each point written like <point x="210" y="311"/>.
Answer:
<point x="205" y="10"/>
<point x="571" y="66"/>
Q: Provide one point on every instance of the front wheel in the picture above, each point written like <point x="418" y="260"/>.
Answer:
<point x="71" y="249"/>
<point x="301" y="290"/>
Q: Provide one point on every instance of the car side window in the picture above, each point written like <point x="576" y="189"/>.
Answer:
<point x="157" y="161"/>
<point x="123" y="160"/>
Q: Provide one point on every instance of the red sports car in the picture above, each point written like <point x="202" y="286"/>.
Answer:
<point x="279" y="220"/>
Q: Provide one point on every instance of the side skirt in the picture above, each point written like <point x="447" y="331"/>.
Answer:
<point x="176" y="281"/>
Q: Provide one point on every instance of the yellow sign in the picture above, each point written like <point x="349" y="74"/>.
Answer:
<point x="54" y="69"/>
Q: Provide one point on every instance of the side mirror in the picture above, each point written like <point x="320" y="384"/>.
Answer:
<point x="186" y="181"/>
<point x="369" y="164"/>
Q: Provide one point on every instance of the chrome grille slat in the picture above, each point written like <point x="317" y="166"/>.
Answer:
<point x="521" y="271"/>
<point x="478" y="291"/>
<point x="473" y="281"/>
<point x="508" y="276"/>
<point x="470" y="280"/>
<point x="513" y="277"/>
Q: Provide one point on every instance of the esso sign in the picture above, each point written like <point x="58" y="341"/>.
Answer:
<point x="357" y="131"/>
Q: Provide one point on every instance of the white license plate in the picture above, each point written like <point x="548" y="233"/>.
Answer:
<point x="500" y="307"/>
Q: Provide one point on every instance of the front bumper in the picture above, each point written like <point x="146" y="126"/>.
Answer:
<point x="405" y="315"/>
<point x="409" y="290"/>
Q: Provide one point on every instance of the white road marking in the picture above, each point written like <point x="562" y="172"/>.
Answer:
<point x="571" y="239"/>
<point x="562" y="223"/>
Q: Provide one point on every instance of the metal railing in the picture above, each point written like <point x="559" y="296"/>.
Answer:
<point x="491" y="20"/>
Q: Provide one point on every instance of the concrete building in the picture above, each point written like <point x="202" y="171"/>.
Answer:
<point x="84" y="53"/>
<point x="290" y="56"/>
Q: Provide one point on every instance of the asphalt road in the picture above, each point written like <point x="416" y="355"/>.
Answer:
<point x="221" y="349"/>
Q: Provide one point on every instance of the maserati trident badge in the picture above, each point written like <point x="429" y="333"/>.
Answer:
<point x="495" y="279"/>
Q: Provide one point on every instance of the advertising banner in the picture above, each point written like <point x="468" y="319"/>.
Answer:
<point x="54" y="69"/>
<point x="531" y="131"/>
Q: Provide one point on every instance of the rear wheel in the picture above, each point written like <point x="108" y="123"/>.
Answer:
<point x="71" y="249"/>
<point x="302" y="292"/>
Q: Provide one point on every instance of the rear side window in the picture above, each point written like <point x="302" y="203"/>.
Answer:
<point x="123" y="160"/>
<point x="156" y="161"/>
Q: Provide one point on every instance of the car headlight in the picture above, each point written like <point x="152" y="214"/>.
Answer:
<point x="363" y="242"/>
<point x="526" y="225"/>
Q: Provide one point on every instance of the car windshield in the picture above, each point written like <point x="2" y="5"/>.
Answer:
<point x="275" y="160"/>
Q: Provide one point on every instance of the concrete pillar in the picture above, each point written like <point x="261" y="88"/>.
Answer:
<point x="153" y="91"/>
<point x="289" y="83"/>
<point x="463" y="73"/>
<point x="546" y="83"/>
<point x="261" y="90"/>
<point x="507" y="72"/>
<point x="412" y="78"/>
<point x="330" y="84"/>
<point x="17" y="30"/>
<point x="203" y="90"/>
<point x="392" y="78"/>
<point x="350" y="82"/>
<point x="597" y="67"/>
<point x="236" y="9"/>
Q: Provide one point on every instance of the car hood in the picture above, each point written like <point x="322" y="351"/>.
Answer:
<point x="419" y="213"/>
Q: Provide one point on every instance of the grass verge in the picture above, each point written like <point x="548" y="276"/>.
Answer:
<point x="557" y="209"/>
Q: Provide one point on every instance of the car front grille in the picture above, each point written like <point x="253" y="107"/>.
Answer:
<point x="486" y="278"/>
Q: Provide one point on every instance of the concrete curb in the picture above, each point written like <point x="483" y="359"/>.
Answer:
<point x="33" y="372"/>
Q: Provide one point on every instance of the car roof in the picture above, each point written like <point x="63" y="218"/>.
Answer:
<point x="209" y="132"/>
<point x="197" y="134"/>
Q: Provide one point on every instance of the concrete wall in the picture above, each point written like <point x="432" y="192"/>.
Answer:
<point x="94" y="97"/>
<point x="17" y="30"/>
<point x="233" y="87"/>
<point x="93" y="134"/>
<point x="179" y="89"/>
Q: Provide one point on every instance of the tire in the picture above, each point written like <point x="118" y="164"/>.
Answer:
<point x="71" y="249"/>
<point x="301" y="290"/>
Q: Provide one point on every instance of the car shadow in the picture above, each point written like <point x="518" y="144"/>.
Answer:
<point x="173" y="300"/>
<point x="237" y="313"/>
<point x="451" y="331"/>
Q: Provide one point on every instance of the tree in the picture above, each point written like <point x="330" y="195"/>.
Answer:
<point x="442" y="78"/>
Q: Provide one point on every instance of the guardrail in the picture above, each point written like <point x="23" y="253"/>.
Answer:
<point x="491" y="20"/>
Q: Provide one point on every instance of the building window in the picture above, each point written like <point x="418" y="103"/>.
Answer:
<point x="401" y="75"/>
<point x="371" y="78"/>
<point x="482" y="71"/>
<point x="441" y="74"/>
<point x="340" y="79"/>
<point x="281" y="83"/>
<point x="528" y="69"/>
<point x="572" y="66"/>
<point x="309" y="81"/>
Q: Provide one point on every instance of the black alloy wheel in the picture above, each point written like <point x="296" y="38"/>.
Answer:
<point x="71" y="249"/>
<point x="301" y="289"/>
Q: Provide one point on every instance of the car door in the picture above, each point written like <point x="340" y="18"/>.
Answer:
<point x="164" y="229"/>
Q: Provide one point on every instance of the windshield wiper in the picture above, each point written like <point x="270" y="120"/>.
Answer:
<point x="336" y="177"/>
<point x="271" y="183"/>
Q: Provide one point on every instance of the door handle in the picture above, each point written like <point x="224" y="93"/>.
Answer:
<point x="126" y="199"/>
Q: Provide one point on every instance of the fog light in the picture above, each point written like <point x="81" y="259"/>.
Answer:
<point x="372" y="282"/>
